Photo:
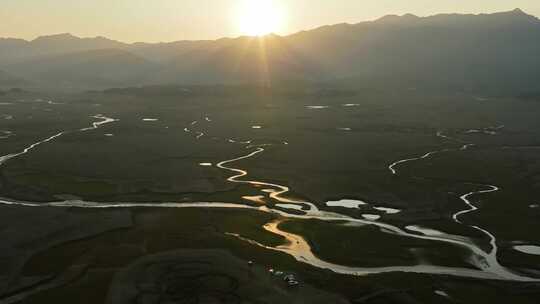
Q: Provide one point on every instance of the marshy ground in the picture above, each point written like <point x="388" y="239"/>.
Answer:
<point x="322" y="146"/>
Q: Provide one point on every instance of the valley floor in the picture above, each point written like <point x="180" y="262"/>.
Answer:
<point x="431" y="195"/>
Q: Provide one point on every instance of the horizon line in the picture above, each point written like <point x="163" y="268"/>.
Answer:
<point x="270" y="34"/>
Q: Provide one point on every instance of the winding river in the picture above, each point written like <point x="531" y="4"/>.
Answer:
<point x="297" y="246"/>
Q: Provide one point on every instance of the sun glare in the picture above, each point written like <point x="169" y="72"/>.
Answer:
<point x="259" y="17"/>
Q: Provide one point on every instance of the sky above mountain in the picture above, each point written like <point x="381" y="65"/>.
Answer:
<point x="170" y="20"/>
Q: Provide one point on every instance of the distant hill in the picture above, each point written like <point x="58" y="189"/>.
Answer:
<point x="241" y="60"/>
<point x="7" y="80"/>
<point x="497" y="52"/>
<point x="487" y="53"/>
<point x="87" y="69"/>
<point x="18" y="50"/>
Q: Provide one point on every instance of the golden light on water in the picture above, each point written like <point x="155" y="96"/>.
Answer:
<point x="259" y="17"/>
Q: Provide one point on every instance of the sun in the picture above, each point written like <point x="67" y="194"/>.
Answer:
<point x="259" y="17"/>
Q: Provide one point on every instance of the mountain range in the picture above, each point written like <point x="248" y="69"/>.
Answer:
<point x="497" y="52"/>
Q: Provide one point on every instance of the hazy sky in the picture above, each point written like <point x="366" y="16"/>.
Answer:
<point x="168" y="20"/>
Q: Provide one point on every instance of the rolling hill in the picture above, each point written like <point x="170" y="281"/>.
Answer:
<point x="86" y="69"/>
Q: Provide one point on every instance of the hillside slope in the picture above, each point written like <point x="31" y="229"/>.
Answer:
<point x="486" y="53"/>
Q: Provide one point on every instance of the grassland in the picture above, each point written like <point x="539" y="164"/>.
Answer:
<point x="339" y="151"/>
